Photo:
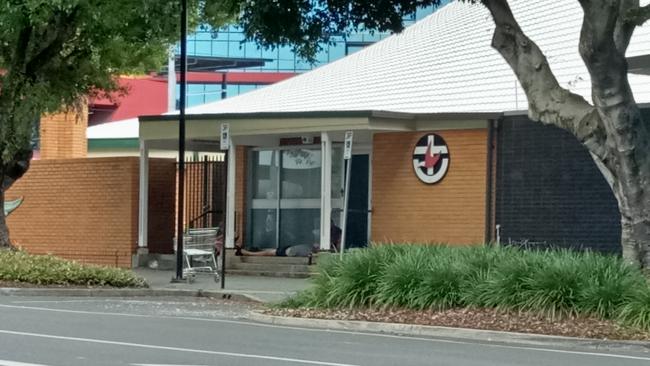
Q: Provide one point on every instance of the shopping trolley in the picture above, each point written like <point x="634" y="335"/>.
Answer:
<point x="199" y="247"/>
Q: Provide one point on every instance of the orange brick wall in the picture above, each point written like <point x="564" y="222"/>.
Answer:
<point x="63" y="135"/>
<point x="87" y="209"/>
<point x="408" y="210"/>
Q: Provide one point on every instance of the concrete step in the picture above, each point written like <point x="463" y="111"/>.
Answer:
<point x="161" y="261"/>
<point x="231" y="257"/>
<point x="269" y="267"/>
<point x="242" y="272"/>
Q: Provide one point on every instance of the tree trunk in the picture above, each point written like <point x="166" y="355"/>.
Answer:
<point x="635" y="238"/>
<point x="634" y="205"/>
<point x="9" y="174"/>
<point x="4" y="231"/>
<point x="612" y="129"/>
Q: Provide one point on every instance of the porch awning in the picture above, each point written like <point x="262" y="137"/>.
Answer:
<point x="199" y="126"/>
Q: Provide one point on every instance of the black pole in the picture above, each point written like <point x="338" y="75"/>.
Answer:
<point x="181" y="143"/>
<point x="225" y="220"/>
<point x="224" y="86"/>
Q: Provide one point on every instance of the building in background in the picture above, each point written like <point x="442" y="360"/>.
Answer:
<point x="221" y="65"/>
<point x="229" y="42"/>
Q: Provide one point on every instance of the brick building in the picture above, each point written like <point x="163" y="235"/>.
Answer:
<point x="442" y="149"/>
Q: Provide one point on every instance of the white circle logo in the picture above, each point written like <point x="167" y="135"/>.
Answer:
<point x="431" y="158"/>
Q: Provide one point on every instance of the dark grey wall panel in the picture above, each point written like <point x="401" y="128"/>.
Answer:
<point x="550" y="192"/>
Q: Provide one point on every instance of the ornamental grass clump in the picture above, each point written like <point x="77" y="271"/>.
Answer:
<point x="19" y="266"/>
<point x="553" y="283"/>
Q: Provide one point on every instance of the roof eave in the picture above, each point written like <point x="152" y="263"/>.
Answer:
<point x="325" y="114"/>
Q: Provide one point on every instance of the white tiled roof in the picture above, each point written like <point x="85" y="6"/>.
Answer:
<point x="444" y="63"/>
<point x="128" y="128"/>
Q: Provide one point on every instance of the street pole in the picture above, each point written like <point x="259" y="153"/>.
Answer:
<point x="224" y="143"/>
<point x="347" y="156"/>
<point x="181" y="143"/>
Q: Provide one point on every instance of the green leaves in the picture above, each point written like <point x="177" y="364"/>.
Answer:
<point x="307" y="24"/>
<point x="19" y="266"/>
<point x="54" y="52"/>
<point x="551" y="283"/>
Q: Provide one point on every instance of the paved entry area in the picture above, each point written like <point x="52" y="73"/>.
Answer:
<point x="266" y="289"/>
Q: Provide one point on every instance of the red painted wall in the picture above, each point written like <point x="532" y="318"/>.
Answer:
<point x="147" y="95"/>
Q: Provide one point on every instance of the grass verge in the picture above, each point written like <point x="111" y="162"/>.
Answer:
<point x="18" y="266"/>
<point x="554" y="284"/>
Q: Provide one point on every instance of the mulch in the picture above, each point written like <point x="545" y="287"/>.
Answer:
<point x="487" y="319"/>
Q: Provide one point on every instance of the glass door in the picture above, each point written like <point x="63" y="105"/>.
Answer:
<point x="285" y="190"/>
<point x="300" y="197"/>
<point x="263" y="186"/>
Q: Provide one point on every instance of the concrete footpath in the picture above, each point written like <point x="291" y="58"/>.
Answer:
<point x="246" y="288"/>
<point x="259" y="288"/>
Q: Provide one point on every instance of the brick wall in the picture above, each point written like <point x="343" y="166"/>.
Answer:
<point x="63" y="135"/>
<point x="550" y="192"/>
<point x="408" y="210"/>
<point x="87" y="209"/>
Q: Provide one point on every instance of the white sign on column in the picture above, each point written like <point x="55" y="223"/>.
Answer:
<point x="347" y="153"/>
<point x="225" y="136"/>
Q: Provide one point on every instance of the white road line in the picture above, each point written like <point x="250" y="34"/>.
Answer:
<point x="330" y="331"/>
<point x="14" y="363"/>
<point x="177" y="349"/>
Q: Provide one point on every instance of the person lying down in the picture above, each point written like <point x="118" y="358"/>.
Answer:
<point x="300" y="250"/>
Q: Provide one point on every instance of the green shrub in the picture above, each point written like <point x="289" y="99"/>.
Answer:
<point x="608" y="284"/>
<point x="552" y="287"/>
<point x="18" y="266"/>
<point x="635" y="311"/>
<point x="501" y="284"/>
<point x="441" y="286"/>
<point x="553" y="283"/>
<point x="401" y="277"/>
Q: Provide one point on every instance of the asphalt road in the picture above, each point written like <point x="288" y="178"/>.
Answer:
<point x="94" y="331"/>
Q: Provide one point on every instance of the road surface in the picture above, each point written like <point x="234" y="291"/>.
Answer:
<point x="154" y="331"/>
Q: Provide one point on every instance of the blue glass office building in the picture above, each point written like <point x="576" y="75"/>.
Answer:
<point x="229" y="42"/>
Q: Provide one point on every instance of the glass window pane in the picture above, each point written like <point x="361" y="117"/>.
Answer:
<point x="246" y="88"/>
<point x="299" y="227"/>
<point x="338" y="180"/>
<point x="235" y="49"/>
<point x="265" y="174"/>
<point x="263" y="229"/>
<point x="301" y="172"/>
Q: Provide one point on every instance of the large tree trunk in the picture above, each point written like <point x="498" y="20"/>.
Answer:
<point x="612" y="128"/>
<point x="631" y="189"/>
<point x="9" y="174"/>
<point x="4" y="231"/>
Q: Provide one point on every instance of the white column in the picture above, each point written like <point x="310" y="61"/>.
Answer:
<point x="326" y="191"/>
<point x="143" y="205"/>
<point x="230" y="200"/>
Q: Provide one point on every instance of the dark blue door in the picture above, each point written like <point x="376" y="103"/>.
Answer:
<point x="357" y="225"/>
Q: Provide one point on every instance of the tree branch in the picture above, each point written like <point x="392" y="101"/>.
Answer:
<point x="623" y="30"/>
<point x="64" y="25"/>
<point x="638" y="16"/>
<point x="16" y="169"/>
<point x="548" y="102"/>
